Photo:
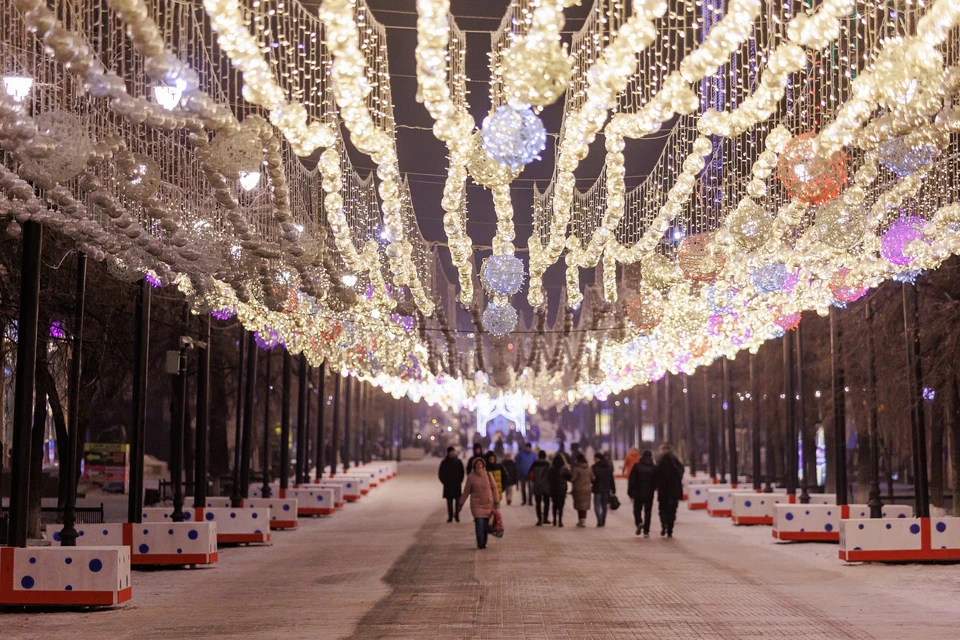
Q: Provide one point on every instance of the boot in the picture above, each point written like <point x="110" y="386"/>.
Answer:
<point x="539" y="522"/>
<point x="581" y="523"/>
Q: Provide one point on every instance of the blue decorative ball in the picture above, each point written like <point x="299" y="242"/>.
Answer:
<point x="500" y="320"/>
<point x="502" y="274"/>
<point x="770" y="277"/>
<point x="514" y="136"/>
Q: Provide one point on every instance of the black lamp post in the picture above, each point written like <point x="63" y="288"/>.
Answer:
<point x="754" y="422"/>
<point x="27" y="328"/>
<point x="667" y="435"/>
<point x="68" y="466"/>
<point x="911" y="330"/>
<point x="141" y="353"/>
<point x="688" y="423"/>
<point x="285" y="423"/>
<point x="874" y="501"/>
<point x="321" y="416"/>
<point x="790" y="426"/>
<point x="235" y="496"/>
<point x="711" y="432"/>
<point x="730" y="422"/>
<point x="801" y="420"/>
<point x="267" y="471"/>
<point x="839" y="407"/>
<point x="301" y="418"/>
<point x="346" y="422"/>
<point x="177" y="366"/>
<point x="335" y="434"/>
<point x="203" y="417"/>
<point x="249" y="395"/>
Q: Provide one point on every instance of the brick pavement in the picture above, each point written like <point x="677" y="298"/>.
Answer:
<point x="390" y="567"/>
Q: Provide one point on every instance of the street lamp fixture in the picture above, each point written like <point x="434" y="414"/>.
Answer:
<point x="348" y="280"/>
<point x="17" y="87"/>
<point x="168" y="96"/>
<point x="249" y="180"/>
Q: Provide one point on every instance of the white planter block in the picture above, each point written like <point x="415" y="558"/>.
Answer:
<point x="754" y="508"/>
<point x="821" y="522"/>
<point x="240" y="525"/>
<point x="720" y="500"/>
<point x="69" y="576"/>
<point x="282" y="511"/>
<point x="899" y="539"/>
<point x="697" y="496"/>
<point x="151" y="543"/>
<point x="312" y="500"/>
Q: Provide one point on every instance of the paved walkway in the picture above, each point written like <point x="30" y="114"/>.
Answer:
<point x="390" y="567"/>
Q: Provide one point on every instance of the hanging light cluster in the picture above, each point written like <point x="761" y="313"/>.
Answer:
<point x="801" y="168"/>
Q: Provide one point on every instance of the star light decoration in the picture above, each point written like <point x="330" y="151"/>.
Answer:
<point x="502" y="274"/>
<point x="808" y="175"/>
<point x="500" y="320"/>
<point x="514" y="136"/>
<point x="900" y="234"/>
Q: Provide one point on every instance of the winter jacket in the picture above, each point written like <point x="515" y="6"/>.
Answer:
<point x="540" y="474"/>
<point x="601" y="477"/>
<point x="559" y="477"/>
<point x="580" y="479"/>
<point x="669" y="478"/>
<point x="632" y="458"/>
<point x="496" y="470"/>
<point x="525" y="460"/>
<point x="482" y="491"/>
<point x="451" y="475"/>
<point x="642" y="482"/>
<point x="473" y="459"/>
<point x="509" y="473"/>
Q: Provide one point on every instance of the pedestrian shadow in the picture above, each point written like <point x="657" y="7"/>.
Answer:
<point x="428" y="583"/>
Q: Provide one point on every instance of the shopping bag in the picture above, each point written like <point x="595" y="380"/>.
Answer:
<point x="614" y="502"/>
<point x="496" y="524"/>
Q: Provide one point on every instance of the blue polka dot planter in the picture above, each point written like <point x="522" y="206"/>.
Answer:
<point x="899" y="539"/>
<point x="698" y="495"/>
<point x="313" y="500"/>
<point x="232" y="526"/>
<point x="721" y="499"/>
<point x="752" y="508"/>
<point x="283" y="511"/>
<point x="821" y="522"/>
<point x="96" y="575"/>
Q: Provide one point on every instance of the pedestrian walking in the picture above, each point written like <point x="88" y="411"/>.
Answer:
<point x="509" y="476"/>
<point x="640" y="487"/>
<point x="481" y="488"/>
<point x="559" y="477"/>
<point x="581" y="489"/>
<point x="632" y="458"/>
<point x="525" y="460"/>
<point x="451" y="476"/>
<point x="603" y="486"/>
<point x="540" y="476"/>
<point x="669" y="480"/>
<point x="477" y="454"/>
<point x="495" y="469"/>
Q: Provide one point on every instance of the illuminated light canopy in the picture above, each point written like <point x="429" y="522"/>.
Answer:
<point x="17" y="87"/>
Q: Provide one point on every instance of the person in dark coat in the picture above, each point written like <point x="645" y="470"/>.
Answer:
<point x="640" y="488"/>
<point x="509" y="476"/>
<point x="540" y="478"/>
<point x="559" y="476"/>
<point x="669" y="481"/>
<point x="451" y="474"/>
<point x="603" y="486"/>
<point x="477" y="454"/>
<point x="525" y="460"/>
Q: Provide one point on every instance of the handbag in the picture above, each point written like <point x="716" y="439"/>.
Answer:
<point x="614" y="502"/>
<point x="496" y="524"/>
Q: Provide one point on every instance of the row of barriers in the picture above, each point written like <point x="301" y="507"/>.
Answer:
<point x="96" y="572"/>
<point x="896" y="536"/>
